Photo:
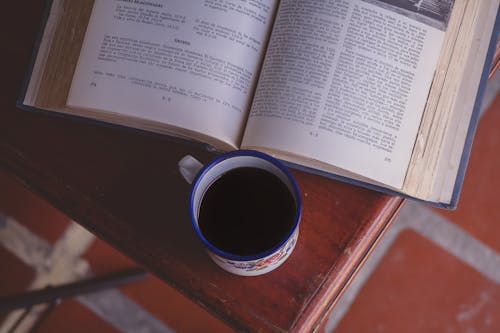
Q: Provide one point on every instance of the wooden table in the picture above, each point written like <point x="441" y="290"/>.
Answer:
<point x="124" y="187"/>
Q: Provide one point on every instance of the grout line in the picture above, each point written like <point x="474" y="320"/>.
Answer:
<point x="25" y="245"/>
<point x="121" y="312"/>
<point x="456" y="241"/>
<point x="433" y="227"/>
<point x="62" y="263"/>
<point x="52" y="264"/>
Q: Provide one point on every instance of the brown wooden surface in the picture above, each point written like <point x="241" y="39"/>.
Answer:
<point x="124" y="186"/>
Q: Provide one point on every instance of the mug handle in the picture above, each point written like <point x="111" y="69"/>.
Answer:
<point x="189" y="167"/>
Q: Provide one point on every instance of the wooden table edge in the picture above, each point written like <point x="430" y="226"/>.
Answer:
<point x="350" y="263"/>
<point x="15" y="163"/>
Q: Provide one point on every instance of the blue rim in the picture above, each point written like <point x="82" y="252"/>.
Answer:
<point x="223" y="157"/>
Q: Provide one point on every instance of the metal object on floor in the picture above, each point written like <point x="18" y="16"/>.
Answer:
<point x="51" y="294"/>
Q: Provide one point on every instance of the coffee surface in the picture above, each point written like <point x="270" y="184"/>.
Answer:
<point x="247" y="211"/>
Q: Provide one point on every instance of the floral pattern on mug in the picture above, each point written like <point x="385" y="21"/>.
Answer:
<point x="263" y="263"/>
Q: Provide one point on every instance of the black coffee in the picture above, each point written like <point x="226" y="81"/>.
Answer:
<point x="247" y="211"/>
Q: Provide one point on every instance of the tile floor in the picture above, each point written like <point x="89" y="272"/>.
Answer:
<point x="58" y="250"/>
<point x="434" y="271"/>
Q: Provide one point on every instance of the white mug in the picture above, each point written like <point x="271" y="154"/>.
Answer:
<point x="203" y="178"/>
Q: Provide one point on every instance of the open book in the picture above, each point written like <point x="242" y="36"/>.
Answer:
<point x="380" y="92"/>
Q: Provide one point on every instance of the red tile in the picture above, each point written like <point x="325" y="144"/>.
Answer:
<point x="16" y="276"/>
<point x="30" y="210"/>
<point x="419" y="287"/>
<point x="478" y="211"/>
<point x="71" y="316"/>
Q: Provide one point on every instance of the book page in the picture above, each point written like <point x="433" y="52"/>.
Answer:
<point x="345" y="83"/>
<point x="188" y="64"/>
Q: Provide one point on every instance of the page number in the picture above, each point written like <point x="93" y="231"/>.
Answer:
<point x="387" y="159"/>
<point x="314" y="134"/>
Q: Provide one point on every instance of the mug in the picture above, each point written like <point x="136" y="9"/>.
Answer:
<point x="245" y="207"/>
